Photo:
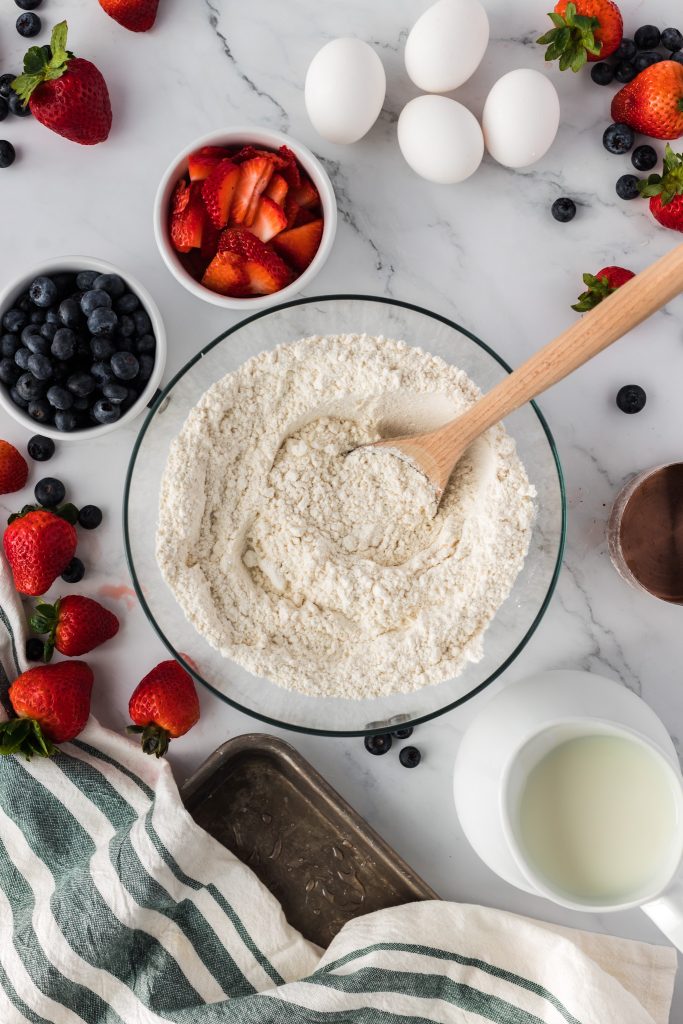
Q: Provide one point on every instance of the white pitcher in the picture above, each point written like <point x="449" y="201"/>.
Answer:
<point x="514" y="731"/>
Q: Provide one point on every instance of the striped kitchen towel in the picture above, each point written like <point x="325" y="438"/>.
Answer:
<point x="115" y="908"/>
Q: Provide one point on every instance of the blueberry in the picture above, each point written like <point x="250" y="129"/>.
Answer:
<point x="128" y="303"/>
<point x="4" y="108"/>
<point x="102" y="321"/>
<point x="618" y="138"/>
<point x="29" y="387"/>
<point x="21" y="357"/>
<point x="677" y="56"/>
<point x="115" y="393"/>
<point x="647" y="37"/>
<point x="126" y="326"/>
<point x="80" y="384"/>
<point x="602" y="73"/>
<point x="147" y="343"/>
<point x="29" y="25"/>
<point x="631" y="398"/>
<point x="94" y="299"/>
<point x="28" y="5"/>
<point x="14" y="321"/>
<point x="48" y="331"/>
<point x="9" y="343"/>
<point x="563" y="210"/>
<point x="146" y="368"/>
<point x="627" y="186"/>
<point x="18" y="399"/>
<point x="82" y="402"/>
<point x="7" y="153"/>
<point x="103" y="373"/>
<point x="625" y="71"/>
<point x="626" y="50"/>
<point x="131" y="399"/>
<point x="404" y="733"/>
<point x="41" y="448"/>
<point x="74" y="571"/>
<point x="644" y="158"/>
<point x="6" y="85"/>
<point x="37" y="316"/>
<point x="31" y="335"/>
<point x="40" y="410"/>
<point x="378" y="744"/>
<point x="102" y="348"/>
<point x="90" y="517"/>
<point x="645" y="59"/>
<point x="106" y="412"/>
<point x="50" y="492"/>
<point x="143" y="324"/>
<point x="40" y="366"/>
<point x="125" y="365"/>
<point x="410" y="757"/>
<point x="34" y="649"/>
<point x="66" y="420"/>
<point x="64" y="344"/>
<point x="70" y="313"/>
<point x="59" y="398"/>
<point x="43" y="292"/>
<point x="110" y="283"/>
<point x="61" y="370"/>
<point x="672" y="39"/>
<point x="9" y="371"/>
<point x="52" y="317"/>
<point x="17" y="106"/>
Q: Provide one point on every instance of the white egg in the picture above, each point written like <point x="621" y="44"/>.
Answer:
<point x="521" y="117"/>
<point x="440" y="139"/>
<point x="345" y="89"/>
<point x="446" y="44"/>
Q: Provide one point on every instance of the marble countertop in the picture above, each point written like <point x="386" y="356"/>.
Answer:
<point x="486" y="253"/>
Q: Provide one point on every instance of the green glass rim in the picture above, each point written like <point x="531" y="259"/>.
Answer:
<point x="163" y="394"/>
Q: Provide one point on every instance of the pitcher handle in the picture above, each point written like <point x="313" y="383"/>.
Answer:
<point x="667" y="911"/>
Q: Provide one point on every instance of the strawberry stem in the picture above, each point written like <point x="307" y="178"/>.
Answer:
<point x="571" y="39"/>
<point x="41" y="66"/>
<point x="44" y="620"/>
<point x="153" y="738"/>
<point x="24" y="736"/>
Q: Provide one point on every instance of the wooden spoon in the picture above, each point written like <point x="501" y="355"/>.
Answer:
<point x="437" y="452"/>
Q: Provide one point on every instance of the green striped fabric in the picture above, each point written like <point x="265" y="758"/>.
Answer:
<point x="115" y="908"/>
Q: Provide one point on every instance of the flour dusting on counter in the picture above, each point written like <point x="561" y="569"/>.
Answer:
<point x="328" y="572"/>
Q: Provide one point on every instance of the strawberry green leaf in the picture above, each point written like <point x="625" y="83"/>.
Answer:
<point x="557" y="19"/>
<point x="38" y="68"/>
<point x="68" y="512"/>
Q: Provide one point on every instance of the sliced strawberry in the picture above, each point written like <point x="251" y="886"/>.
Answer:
<point x="218" y="191"/>
<point x="306" y="194"/>
<point x="299" y="245"/>
<point x="202" y="161"/>
<point x="194" y="263"/>
<point x="226" y="274"/>
<point x="303" y="216"/>
<point x="290" y="169"/>
<point x="291" y="209"/>
<point x="270" y="219"/>
<point x="267" y="275"/>
<point x="180" y="197"/>
<point x="187" y="224"/>
<point x="254" y="177"/>
<point x="277" y="189"/>
<point x="251" y="152"/>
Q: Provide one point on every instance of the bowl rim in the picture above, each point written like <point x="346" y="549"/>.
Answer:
<point x="246" y="134"/>
<point x="190" y="668"/>
<point x="73" y="264"/>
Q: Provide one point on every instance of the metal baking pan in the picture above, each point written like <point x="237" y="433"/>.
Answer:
<point x="270" y="807"/>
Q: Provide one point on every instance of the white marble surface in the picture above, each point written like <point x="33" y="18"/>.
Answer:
<point x="486" y="253"/>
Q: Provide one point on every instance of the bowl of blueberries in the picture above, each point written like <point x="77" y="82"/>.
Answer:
<point x="82" y="348"/>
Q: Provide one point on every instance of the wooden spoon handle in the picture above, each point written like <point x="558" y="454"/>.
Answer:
<point x="625" y="308"/>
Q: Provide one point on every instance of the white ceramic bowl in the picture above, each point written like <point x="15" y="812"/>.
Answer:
<point x="267" y="139"/>
<point x="74" y="264"/>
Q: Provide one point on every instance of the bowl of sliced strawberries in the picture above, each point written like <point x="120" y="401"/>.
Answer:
<point x="245" y="217"/>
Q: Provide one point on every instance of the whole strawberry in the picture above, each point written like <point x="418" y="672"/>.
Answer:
<point x="52" y="703"/>
<point x="652" y="103"/>
<point x="584" y="30"/>
<point x="74" y="624"/>
<point x="39" y="545"/>
<point x="665" y="191"/>
<point x="600" y="285"/>
<point x="164" y="705"/>
<point x="13" y="468"/>
<point x="65" y="93"/>
<point x="135" y="15"/>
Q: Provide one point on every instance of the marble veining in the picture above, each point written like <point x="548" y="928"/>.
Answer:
<point x="486" y="253"/>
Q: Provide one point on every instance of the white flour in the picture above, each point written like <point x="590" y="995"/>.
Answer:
<point x="328" y="573"/>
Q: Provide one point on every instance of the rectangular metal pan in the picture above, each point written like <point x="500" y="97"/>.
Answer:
<point x="272" y="809"/>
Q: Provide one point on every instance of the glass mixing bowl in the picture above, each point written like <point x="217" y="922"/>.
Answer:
<point x="515" y="621"/>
